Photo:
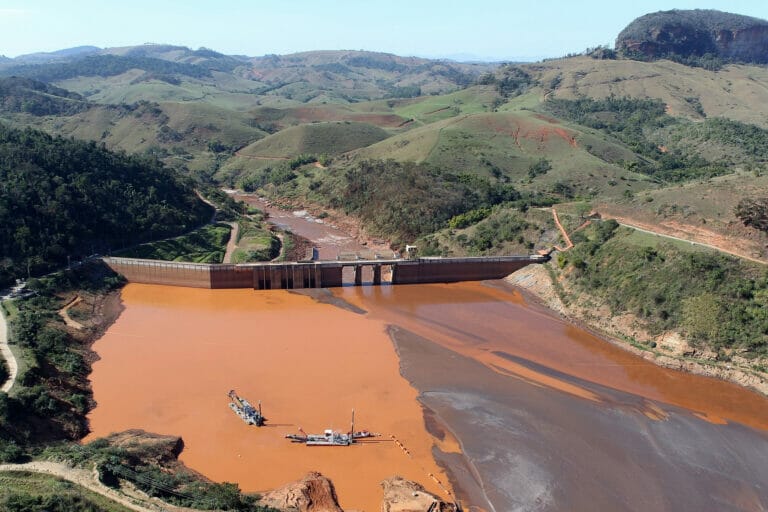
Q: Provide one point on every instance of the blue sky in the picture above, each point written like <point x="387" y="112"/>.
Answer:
<point x="486" y="29"/>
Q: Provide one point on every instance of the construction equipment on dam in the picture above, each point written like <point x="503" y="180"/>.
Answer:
<point x="331" y="437"/>
<point x="243" y="408"/>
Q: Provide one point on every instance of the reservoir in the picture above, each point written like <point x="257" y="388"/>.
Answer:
<point x="500" y="401"/>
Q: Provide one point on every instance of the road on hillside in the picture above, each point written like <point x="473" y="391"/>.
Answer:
<point x="622" y="222"/>
<point x="13" y="367"/>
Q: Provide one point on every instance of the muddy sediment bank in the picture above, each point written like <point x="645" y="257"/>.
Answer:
<point x="530" y="447"/>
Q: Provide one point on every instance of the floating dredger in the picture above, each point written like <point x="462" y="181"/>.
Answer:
<point x="331" y="437"/>
<point x="243" y="408"/>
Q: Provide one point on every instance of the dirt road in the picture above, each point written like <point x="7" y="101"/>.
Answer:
<point x="232" y="244"/>
<point x="85" y="479"/>
<point x="13" y="367"/>
<point x="645" y="229"/>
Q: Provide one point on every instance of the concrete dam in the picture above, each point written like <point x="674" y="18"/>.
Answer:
<point x="318" y="274"/>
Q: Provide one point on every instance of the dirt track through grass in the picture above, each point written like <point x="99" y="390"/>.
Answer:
<point x="13" y="366"/>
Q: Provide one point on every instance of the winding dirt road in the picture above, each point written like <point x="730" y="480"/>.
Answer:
<point x="10" y="360"/>
<point x="82" y="478"/>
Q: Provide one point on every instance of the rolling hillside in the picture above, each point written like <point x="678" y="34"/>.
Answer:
<point x="738" y="92"/>
<point x="507" y="145"/>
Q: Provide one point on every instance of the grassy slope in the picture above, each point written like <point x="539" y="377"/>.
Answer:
<point x="719" y="304"/>
<point x="702" y="211"/>
<point x="316" y="139"/>
<point x="512" y="142"/>
<point x="192" y="126"/>
<point x="51" y="490"/>
<point x="205" y="245"/>
<point x="737" y="92"/>
<point x="223" y="90"/>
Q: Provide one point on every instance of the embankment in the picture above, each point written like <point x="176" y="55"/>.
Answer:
<point x="671" y="350"/>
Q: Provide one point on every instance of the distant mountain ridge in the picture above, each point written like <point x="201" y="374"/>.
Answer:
<point x="696" y="33"/>
<point x="344" y="76"/>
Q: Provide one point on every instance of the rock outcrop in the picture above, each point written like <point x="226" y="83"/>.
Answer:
<point x="694" y="33"/>
<point x="313" y="493"/>
<point x="401" y="495"/>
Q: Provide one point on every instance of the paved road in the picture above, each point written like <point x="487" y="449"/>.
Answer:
<point x="13" y="367"/>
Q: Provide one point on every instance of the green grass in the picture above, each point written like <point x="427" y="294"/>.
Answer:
<point x="205" y="245"/>
<point x="317" y="139"/>
<point x="255" y="244"/>
<point x="25" y="359"/>
<point x="33" y="492"/>
<point x="507" y="144"/>
<point x="641" y="239"/>
<point x="428" y="109"/>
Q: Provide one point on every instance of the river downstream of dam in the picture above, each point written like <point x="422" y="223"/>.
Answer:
<point x="500" y="401"/>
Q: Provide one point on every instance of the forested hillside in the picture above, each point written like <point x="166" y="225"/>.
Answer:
<point x="63" y="199"/>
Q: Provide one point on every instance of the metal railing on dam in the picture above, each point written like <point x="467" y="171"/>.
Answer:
<point x="317" y="274"/>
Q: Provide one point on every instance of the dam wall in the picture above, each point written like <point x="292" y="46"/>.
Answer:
<point x="453" y="270"/>
<point x="315" y="274"/>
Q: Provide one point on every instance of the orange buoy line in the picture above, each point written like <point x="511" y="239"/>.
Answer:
<point x="430" y="475"/>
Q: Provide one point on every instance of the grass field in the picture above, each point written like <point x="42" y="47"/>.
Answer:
<point x="23" y="491"/>
<point x="255" y="244"/>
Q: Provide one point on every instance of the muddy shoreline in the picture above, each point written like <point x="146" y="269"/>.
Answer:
<point x="534" y="448"/>
<point x="542" y="294"/>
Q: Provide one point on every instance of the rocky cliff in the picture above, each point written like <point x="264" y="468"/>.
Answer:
<point x="694" y="33"/>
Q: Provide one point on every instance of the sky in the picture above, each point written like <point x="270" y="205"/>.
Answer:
<point x="491" y="30"/>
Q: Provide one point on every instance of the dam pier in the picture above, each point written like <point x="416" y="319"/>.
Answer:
<point x="318" y="274"/>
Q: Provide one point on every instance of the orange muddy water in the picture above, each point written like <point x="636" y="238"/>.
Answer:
<point x="168" y="362"/>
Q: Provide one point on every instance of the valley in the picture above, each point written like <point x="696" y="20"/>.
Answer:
<point x="629" y="372"/>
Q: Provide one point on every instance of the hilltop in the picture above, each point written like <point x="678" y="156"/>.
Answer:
<point x="693" y="34"/>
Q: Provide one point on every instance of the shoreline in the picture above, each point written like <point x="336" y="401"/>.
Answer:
<point x="539" y="290"/>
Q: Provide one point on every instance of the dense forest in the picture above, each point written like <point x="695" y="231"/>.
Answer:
<point x="63" y="199"/>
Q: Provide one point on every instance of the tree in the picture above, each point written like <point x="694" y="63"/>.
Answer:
<point x="753" y="212"/>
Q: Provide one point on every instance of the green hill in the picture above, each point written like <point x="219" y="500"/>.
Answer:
<point x="316" y="138"/>
<point x="62" y="199"/>
<point x="23" y="95"/>
<point x="192" y="135"/>
<point x="508" y="146"/>
<point x="737" y="92"/>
